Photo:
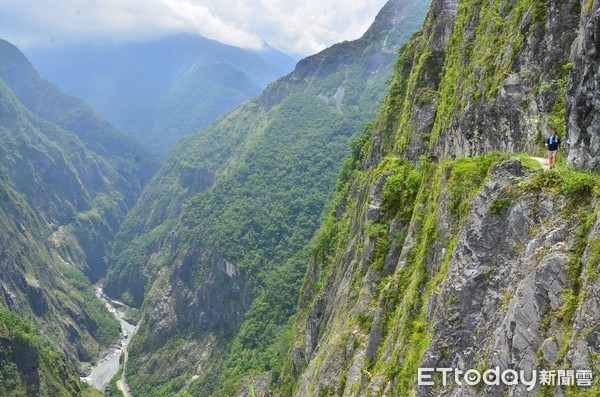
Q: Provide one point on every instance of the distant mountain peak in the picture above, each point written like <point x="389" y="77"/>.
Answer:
<point x="158" y="91"/>
<point x="12" y="59"/>
<point x="394" y="24"/>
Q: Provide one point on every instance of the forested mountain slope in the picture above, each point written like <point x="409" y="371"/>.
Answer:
<point x="217" y="239"/>
<point x="67" y="180"/>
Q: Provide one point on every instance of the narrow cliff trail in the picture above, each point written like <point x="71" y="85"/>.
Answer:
<point x="543" y="162"/>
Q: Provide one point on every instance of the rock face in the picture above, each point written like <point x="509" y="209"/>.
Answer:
<point x="516" y="97"/>
<point x="582" y="101"/>
<point x="503" y="283"/>
<point x="491" y="287"/>
<point x="440" y="258"/>
<point x="467" y="85"/>
<point x="200" y="311"/>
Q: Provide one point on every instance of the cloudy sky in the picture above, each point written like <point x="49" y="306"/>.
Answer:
<point x="300" y="27"/>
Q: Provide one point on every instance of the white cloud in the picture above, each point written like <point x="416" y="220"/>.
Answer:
<point x="295" y="26"/>
<point x="187" y="16"/>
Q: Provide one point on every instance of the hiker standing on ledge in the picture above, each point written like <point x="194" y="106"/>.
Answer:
<point x="553" y="144"/>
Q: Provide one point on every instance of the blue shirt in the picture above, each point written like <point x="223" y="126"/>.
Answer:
<point x="553" y="143"/>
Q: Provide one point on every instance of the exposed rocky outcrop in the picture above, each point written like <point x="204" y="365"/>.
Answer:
<point x="469" y="84"/>
<point x="488" y="290"/>
<point x="200" y="310"/>
<point x="582" y="101"/>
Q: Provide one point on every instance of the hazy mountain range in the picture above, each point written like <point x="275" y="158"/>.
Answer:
<point x="158" y="91"/>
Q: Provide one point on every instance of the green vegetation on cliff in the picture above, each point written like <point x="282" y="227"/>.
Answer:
<point x="67" y="179"/>
<point x="261" y="210"/>
<point x="28" y="365"/>
<point x="438" y="235"/>
<point x="47" y="232"/>
<point x="389" y="305"/>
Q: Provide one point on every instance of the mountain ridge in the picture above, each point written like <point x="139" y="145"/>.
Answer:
<point x="157" y="92"/>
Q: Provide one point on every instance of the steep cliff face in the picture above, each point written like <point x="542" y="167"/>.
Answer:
<point x="29" y="366"/>
<point x="64" y="181"/>
<point x="581" y="106"/>
<point x="436" y="260"/>
<point x="483" y="76"/>
<point x="61" y="204"/>
<point x="486" y="268"/>
<point x="217" y="239"/>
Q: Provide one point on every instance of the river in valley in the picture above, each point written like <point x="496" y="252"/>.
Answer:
<point x="108" y="363"/>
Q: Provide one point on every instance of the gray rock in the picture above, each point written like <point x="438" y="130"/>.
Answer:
<point x="550" y="351"/>
<point x="582" y="106"/>
<point x="496" y="306"/>
<point x="580" y="357"/>
<point x="259" y="384"/>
